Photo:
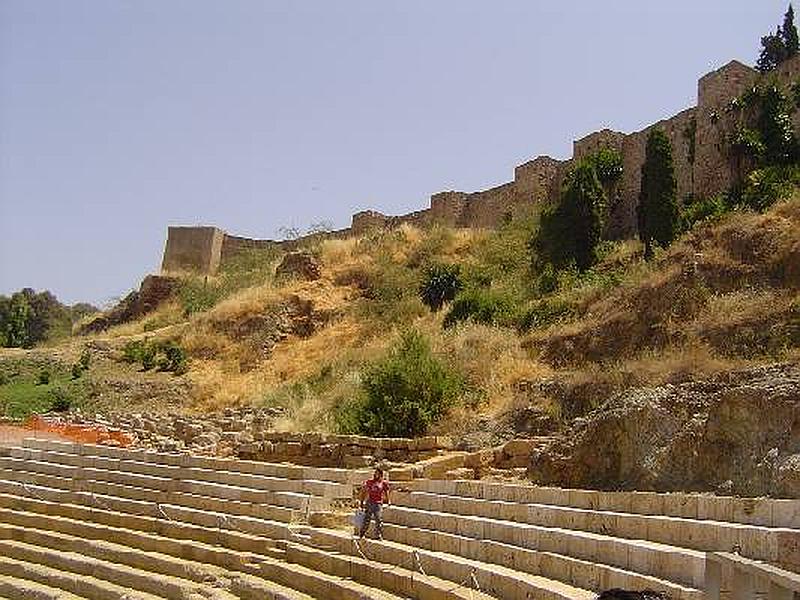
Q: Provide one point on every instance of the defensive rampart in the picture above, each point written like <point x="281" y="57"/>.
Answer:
<point x="700" y="154"/>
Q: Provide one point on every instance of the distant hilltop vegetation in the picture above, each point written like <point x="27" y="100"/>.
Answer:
<point x="705" y="159"/>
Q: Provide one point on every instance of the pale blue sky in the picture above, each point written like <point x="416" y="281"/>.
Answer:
<point x="118" y="118"/>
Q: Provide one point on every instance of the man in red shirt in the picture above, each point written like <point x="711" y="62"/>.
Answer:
<point x="374" y="493"/>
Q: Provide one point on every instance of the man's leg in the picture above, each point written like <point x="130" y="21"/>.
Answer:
<point x="378" y="522"/>
<point x="367" y="516"/>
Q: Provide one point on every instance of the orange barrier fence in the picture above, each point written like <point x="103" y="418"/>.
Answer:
<point x="85" y="434"/>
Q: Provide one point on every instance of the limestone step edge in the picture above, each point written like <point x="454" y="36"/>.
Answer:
<point x="573" y="571"/>
<point x="13" y="588"/>
<point x="497" y="579"/>
<point x="83" y="586"/>
<point x="124" y="575"/>
<point x="203" y="574"/>
<point x="394" y="579"/>
<point x="172" y="529"/>
<point x="686" y="566"/>
<point x="18" y="481"/>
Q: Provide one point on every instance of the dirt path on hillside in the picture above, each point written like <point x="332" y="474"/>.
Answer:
<point x="11" y="435"/>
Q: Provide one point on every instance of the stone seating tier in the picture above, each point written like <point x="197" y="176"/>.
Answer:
<point x="99" y="522"/>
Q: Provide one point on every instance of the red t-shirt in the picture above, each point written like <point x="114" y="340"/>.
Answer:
<point x="375" y="489"/>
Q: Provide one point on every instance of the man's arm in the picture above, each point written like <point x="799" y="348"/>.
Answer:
<point x="362" y="495"/>
<point x="386" y="494"/>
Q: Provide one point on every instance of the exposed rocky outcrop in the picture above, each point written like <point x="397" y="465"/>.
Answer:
<point x="154" y="290"/>
<point x="737" y="432"/>
<point x="299" y="264"/>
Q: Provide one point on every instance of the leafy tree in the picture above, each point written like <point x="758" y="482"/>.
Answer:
<point x="570" y="231"/>
<point x="404" y="393"/>
<point x="658" y="214"/>
<point x="440" y="284"/>
<point x="775" y="125"/>
<point x="780" y="46"/>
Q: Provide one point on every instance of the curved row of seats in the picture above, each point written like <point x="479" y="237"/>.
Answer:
<point x="81" y="521"/>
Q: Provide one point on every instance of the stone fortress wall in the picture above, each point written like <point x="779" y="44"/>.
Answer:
<point x="702" y="168"/>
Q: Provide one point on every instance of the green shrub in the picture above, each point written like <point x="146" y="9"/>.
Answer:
<point x="198" y="295"/>
<point x="403" y="394"/>
<point x="703" y="209"/>
<point x="132" y="351"/>
<point x="85" y="359"/>
<point x="544" y="313"/>
<point x="43" y="378"/>
<point x="76" y="370"/>
<point x="148" y="356"/>
<point x="440" y="284"/>
<point x="763" y="187"/>
<point x="3" y="378"/>
<point x="61" y="399"/>
<point x="175" y="359"/>
<point x="481" y="305"/>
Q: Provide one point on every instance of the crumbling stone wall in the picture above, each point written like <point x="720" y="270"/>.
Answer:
<point x="712" y="168"/>
<point x="533" y="179"/>
<point x="605" y="138"/>
<point x="700" y="155"/>
<point x="192" y="249"/>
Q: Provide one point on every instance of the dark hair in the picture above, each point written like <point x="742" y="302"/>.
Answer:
<point x="378" y="470"/>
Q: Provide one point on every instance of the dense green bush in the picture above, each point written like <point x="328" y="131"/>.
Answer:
<point x="481" y="305"/>
<point x="61" y="399"/>
<point x="166" y="355"/>
<point x="440" y="284"/>
<point x="76" y="371"/>
<point x="607" y="163"/>
<point x="658" y="215"/>
<point x="198" y="294"/>
<point x="402" y="394"/>
<point x="703" y="209"/>
<point x="765" y="186"/>
<point x="43" y="378"/>
<point x="132" y="351"/>
<point x="175" y="359"/>
<point x="543" y="313"/>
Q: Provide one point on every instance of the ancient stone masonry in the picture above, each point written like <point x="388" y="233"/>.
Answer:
<point x="700" y="154"/>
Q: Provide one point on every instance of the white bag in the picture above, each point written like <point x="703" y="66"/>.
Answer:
<point x="358" y="519"/>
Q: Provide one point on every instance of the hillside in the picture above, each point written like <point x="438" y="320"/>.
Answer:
<point x="724" y="297"/>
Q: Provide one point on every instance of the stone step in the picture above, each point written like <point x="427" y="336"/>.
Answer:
<point x="769" y="512"/>
<point x="757" y="542"/>
<point x="39" y="472"/>
<point x="248" y="587"/>
<point x="169" y="512"/>
<point x="322" y="583"/>
<point x="679" y="565"/>
<point x="123" y="575"/>
<point x="495" y="579"/>
<point x="583" y="574"/>
<point x="251" y="575"/>
<point x="196" y="501"/>
<point x="338" y="475"/>
<point x="83" y="586"/>
<point x="183" y="549"/>
<point x="228" y="538"/>
<point x="395" y="580"/>
<point x="22" y="589"/>
<point x="88" y="465"/>
<point x="209" y="577"/>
